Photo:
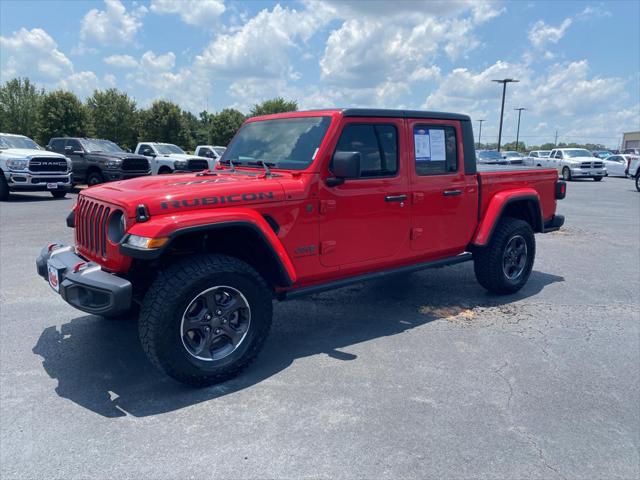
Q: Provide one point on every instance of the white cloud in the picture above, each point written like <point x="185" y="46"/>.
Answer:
<point x="32" y="53"/>
<point x="112" y="26"/>
<point x="121" y="61"/>
<point x="422" y="74"/>
<point x="82" y="83"/>
<point x="193" y="12"/>
<point x="541" y="34"/>
<point x="261" y="47"/>
<point x="152" y="61"/>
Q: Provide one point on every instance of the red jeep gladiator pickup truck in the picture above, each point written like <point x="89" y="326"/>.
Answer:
<point x="301" y="202"/>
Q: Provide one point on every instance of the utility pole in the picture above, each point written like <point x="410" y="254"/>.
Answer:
<point x="480" y="132"/>
<point x="556" y="140"/>
<point x="518" y="131"/>
<point x="504" y="82"/>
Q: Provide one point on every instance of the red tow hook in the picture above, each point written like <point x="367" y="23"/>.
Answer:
<point x="78" y="266"/>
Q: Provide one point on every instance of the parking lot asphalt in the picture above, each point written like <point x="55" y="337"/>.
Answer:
<point x="424" y="375"/>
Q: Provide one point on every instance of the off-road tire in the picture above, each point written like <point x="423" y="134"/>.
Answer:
<point x="488" y="261"/>
<point x="4" y="188"/>
<point x="169" y="296"/>
<point x="597" y="179"/>
<point x="94" y="178"/>
<point x="59" y="193"/>
<point x="566" y="174"/>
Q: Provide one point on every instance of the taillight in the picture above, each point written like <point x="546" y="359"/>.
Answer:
<point x="561" y="189"/>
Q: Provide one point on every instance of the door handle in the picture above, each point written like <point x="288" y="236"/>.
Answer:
<point x="395" y="198"/>
<point x="451" y="193"/>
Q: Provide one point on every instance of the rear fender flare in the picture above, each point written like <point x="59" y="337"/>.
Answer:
<point x="495" y="210"/>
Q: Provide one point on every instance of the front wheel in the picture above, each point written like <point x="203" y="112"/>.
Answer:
<point x="94" y="178"/>
<point x="638" y="182"/>
<point x="59" y="193"/>
<point x="205" y="318"/>
<point x="566" y="174"/>
<point x="505" y="264"/>
<point x="4" y="188"/>
<point x="597" y="179"/>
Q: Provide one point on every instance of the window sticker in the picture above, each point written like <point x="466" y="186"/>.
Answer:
<point x="422" y="144"/>
<point x="438" y="145"/>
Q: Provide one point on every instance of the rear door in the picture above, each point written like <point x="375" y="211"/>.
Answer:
<point x="367" y="218"/>
<point x="444" y="200"/>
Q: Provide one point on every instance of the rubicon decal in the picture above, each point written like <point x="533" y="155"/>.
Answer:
<point x="216" y="200"/>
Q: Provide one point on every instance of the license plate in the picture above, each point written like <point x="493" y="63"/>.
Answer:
<point x="52" y="186"/>
<point x="54" y="280"/>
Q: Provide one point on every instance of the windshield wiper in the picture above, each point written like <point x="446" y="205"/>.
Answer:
<point x="265" y="165"/>
<point x="230" y="163"/>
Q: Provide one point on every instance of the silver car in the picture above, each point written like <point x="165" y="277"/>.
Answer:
<point x="576" y="163"/>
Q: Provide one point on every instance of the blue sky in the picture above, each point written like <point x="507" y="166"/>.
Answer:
<point x="578" y="62"/>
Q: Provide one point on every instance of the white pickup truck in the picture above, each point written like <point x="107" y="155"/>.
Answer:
<point x="210" y="151"/>
<point x="169" y="158"/>
<point x="26" y="167"/>
<point x="575" y="163"/>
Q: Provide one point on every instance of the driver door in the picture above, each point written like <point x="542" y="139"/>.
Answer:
<point x="367" y="219"/>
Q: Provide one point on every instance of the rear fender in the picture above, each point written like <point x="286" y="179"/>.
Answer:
<point x="175" y="225"/>
<point x="497" y="206"/>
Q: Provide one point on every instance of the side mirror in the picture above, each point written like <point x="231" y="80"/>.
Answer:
<point x="345" y="165"/>
<point x="78" y="152"/>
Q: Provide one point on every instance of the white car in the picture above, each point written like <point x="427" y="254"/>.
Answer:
<point x="168" y="158"/>
<point x="210" y="151"/>
<point x="26" y="167"/>
<point x="576" y="163"/>
<point x="616" y="165"/>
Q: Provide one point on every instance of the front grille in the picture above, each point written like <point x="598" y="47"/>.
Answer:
<point x="591" y="165"/>
<point x="47" y="165"/>
<point x="49" y="180"/>
<point x="197" y="165"/>
<point x="141" y="164"/>
<point x="91" y="226"/>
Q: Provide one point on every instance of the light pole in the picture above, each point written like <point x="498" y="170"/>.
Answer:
<point x="518" y="131"/>
<point x="504" y="82"/>
<point x="480" y="132"/>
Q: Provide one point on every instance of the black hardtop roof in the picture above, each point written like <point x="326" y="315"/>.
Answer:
<point x="382" y="112"/>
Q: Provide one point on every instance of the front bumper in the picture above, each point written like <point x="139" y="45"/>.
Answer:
<point x="83" y="284"/>
<point x="30" y="181"/>
<point x="585" y="172"/>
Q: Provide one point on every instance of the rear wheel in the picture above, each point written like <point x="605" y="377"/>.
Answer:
<point x="205" y="318"/>
<point x="59" y="193"/>
<point x="597" y="179"/>
<point x="95" y="178"/>
<point x="566" y="174"/>
<point x="4" y="188"/>
<point x="505" y="264"/>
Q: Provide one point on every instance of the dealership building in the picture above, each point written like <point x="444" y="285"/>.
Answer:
<point x="631" y="140"/>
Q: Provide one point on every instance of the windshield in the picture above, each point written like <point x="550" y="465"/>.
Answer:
<point x="91" y="145"/>
<point x="168" y="149"/>
<point x="512" y="154"/>
<point x="15" y="141"/>
<point x="603" y="154"/>
<point x="109" y="146"/>
<point x="290" y="143"/>
<point x="577" y="152"/>
<point x="489" y="155"/>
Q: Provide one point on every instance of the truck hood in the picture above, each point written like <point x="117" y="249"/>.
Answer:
<point x="181" y="156"/>
<point x="582" y="159"/>
<point x="28" y="153"/>
<point x="165" y="194"/>
<point x="118" y="155"/>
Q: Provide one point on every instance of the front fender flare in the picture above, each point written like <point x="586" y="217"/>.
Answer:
<point x="175" y="225"/>
<point x="496" y="207"/>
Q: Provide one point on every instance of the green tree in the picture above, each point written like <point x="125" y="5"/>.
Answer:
<point x="62" y="114"/>
<point x="275" y="105"/>
<point x="114" y="117"/>
<point x="224" y="126"/>
<point x="162" y="122"/>
<point x="19" y="106"/>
